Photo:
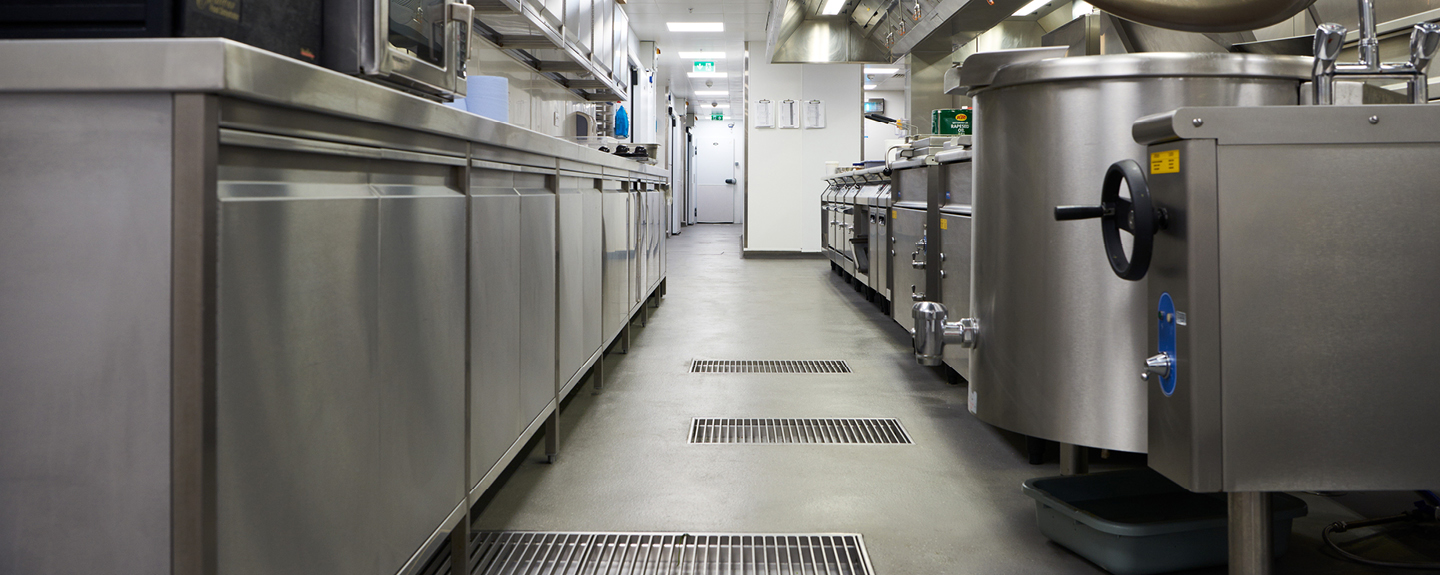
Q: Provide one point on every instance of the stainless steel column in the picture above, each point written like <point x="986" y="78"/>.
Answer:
<point x="1074" y="459"/>
<point x="1251" y="539"/>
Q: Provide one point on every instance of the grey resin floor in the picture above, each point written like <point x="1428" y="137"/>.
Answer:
<point x="950" y="503"/>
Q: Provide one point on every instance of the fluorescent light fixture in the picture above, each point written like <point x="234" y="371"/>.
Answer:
<point x="702" y="55"/>
<point x="708" y="74"/>
<point x="882" y="70"/>
<point x="712" y="92"/>
<point x="832" y="7"/>
<point x="1030" y="8"/>
<point x="869" y="86"/>
<point x="695" y="26"/>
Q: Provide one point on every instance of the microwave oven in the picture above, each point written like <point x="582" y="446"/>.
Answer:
<point x="419" y="45"/>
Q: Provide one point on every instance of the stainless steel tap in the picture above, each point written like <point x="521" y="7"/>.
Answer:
<point x="932" y="332"/>
<point x="1330" y="37"/>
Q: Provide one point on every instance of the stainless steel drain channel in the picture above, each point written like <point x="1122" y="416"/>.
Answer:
<point x="546" y="553"/>
<point x="830" y="430"/>
<point x="769" y="366"/>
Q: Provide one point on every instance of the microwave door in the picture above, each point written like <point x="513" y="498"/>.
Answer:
<point x="416" y="40"/>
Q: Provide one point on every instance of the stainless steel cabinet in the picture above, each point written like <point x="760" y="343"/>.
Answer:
<point x="907" y="229"/>
<point x="340" y="360"/>
<point x="494" y="319"/>
<point x="655" y="203"/>
<point x="537" y="294"/>
<point x="592" y="253"/>
<point x="955" y="281"/>
<point x="85" y="316"/>
<point x="616" y="273"/>
<point x="574" y="347"/>
<point x="422" y="353"/>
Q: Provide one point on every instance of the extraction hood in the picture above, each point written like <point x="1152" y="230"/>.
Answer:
<point x="796" y="33"/>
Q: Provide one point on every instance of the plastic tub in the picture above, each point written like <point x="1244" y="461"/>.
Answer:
<point x="1137" y="522"/>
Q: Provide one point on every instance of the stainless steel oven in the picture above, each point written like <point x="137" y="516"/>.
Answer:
<point x="418" y="45"/>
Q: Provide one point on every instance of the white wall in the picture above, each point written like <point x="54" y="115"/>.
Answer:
<point x="875" y="132"/>
<point x="786" y="166"/>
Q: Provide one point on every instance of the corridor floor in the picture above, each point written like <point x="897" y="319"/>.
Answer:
<point x="950" y="503"/>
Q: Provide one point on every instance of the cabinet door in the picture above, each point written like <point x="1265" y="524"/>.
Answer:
<point x="421" y="357"/>
<point x="297" y="402"/>
<point x="494" y="319"/>
<point x="537" y="296"/>
<point x="593" y="255"/>
<point x="570" y="280"/>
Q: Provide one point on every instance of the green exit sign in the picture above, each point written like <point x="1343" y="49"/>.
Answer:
<point x="717" y="116"/>
<point x="704" y="66"/>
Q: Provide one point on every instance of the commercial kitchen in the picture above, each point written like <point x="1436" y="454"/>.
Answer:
<point x="840" y="287"/>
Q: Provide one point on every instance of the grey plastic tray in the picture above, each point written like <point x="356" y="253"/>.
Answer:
<point x="1137" y="522"/>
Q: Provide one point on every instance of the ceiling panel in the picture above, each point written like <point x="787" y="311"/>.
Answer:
<point x="744" y="21"/>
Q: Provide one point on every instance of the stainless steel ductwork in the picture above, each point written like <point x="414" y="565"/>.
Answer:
<point x="797" y="33"/>
<point x="1205" y="15"/>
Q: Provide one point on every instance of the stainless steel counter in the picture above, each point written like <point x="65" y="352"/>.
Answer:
<point x="227" y="68"/>
<point x="251" y="308"/>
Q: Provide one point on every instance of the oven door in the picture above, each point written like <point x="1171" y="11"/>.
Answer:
<point x="424" y="43"/>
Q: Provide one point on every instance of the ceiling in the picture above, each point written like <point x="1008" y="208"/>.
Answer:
<point x="744" y="21"/>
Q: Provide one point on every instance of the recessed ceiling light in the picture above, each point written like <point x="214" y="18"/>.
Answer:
<point x="702" y="55"/>
<point x="712" y="93"/>
<point x="708" y="74"/>
<point x="869" y="86"/>
<point x="695" y="26"/>
<point x="881" y="70"/>
<point x="832" y="7"/>
<point x="1030" y="8"/>
<point x="721" y="106"/>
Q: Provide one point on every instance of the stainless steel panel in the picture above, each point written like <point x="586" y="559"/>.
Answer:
<point x="1060" y="335"/>
<point x="1184" y="430"/>
<point x="880" y="251"/>
<point x="955" y="281"/>
<point x="593" y="261"/>
<point x="907" y="227"/>
<point x="635" y="215"/>
<point x="570" y="280"/>
<point x="85" y="317"/>
<point x="959" y="180"/>
<point x="1327" y="371"/>
<point x="537" y="295"/>
<point x="297" y="406"/>
<point x="495" y="318"/>
<point x="616" y="270"/>
<point x="656" y="206"/>
<point x="604" y="42"/>
<point x="421" y="357"/>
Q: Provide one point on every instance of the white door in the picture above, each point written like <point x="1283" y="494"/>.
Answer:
<point x="715" y="172"/>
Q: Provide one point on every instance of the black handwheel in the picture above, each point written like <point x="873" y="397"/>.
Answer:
<point x="1137" y="216"/>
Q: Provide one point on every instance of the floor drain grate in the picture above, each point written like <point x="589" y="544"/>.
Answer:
<point x="768" y="366"/>
<point x="842" y="431"/>
<point x="506" y="552"/>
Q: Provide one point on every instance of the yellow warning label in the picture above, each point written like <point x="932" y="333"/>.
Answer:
<point x="1166" y="162"/>
<point x="894" y="215"/>
<point x="943" y="223"/>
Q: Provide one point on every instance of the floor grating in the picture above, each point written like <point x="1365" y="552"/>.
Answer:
<point x="768" y="366"/>
<point x="829" y="430"/>
<point x="569" y="553"/>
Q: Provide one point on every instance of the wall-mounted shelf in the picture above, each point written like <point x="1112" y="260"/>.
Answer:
<point x="529" y="33"/>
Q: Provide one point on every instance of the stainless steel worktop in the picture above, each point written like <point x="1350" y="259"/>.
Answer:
<point x="219" y="66"/>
